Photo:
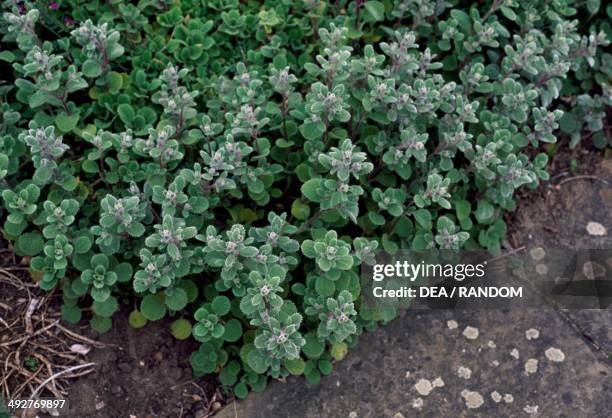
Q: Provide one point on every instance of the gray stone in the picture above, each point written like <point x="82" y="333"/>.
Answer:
<point x="560" y="221"/>
<point x="371" y="381"/>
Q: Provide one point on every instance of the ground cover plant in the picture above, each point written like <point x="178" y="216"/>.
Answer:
<point x="231" y="164"/>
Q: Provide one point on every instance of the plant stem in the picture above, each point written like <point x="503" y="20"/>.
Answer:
<point x="496" y="5"/>
<point x="284" y="105"/>
<point x="357" y="10"/>
<point x="310" y="221"/>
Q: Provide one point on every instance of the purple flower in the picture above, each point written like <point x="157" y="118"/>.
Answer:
<point x="54" y="5"/>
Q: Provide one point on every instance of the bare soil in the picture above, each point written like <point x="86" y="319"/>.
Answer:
<point x="135" y="372"/>
<point x="143" y="373"/>
<point x="38" y="353"/>
<point x="556" y="214"/>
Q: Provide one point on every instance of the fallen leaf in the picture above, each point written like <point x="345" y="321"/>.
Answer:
<point x="80" y="349"/>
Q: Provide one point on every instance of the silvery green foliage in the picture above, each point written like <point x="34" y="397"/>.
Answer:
<point x="21" y="27"/>
<point x="119" y="218"/>
<point x="228" y="252"/>
<point x="342" y="163"/>
<point x="346" y="161"/>
<point x="171" y="236"/>
<point x="157" y="272"/>
<point x="100" y="45"/>
<point x="178" y="103"/>
<point x="337" y="320"/>
<point x="173" y="200"/>
<point x="331" y="254"/>
<point x="262" y="296"/>
<point x="59" y="217"/>
<point x="160" y="146"/>
<point x="277" y="233"/>
<point x="22" y="204"/>
<point x="280" y="340"/>
<point x="208" y="326"/>
<point x="59" y="250"/>
<point x="47" y="77"/>
<point x="365" y="250"/>
<point x="435" y="192"/>
<point x="99" y="277"/>
<point x="282" y="80"/>
<point x="245" y="162"/>
<point x="449" y="236"/>
<point x="392" y="200"/>
<point x="46" y="149"/>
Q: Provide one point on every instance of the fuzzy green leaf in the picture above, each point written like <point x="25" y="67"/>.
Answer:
<point x="66" y="123"/>
<point x="177" y="300"/>
<point x="136" y="319"/>
<point x="152" y="308"/>
<point x="221" y="305"/>
<point x="181" y="329"/>
<point x="375" y="9"/>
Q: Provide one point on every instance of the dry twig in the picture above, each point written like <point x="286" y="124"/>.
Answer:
<point x="56" y="375"/>
<point x="28" y="316"/>
<point x="581" y="177"/>
<point x="35" y="351"/>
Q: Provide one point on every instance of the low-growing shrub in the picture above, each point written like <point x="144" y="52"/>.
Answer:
<point x="231" y="164"/>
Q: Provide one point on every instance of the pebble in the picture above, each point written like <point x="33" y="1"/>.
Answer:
<point x="491" y="344"/>
<point x="473" y="400"/>
<point x="470" y="333"/>
<point x="117" y="390"/>
<point x="531" y="410"/>
<point x="125" y="367"/>
<point x="515" y="353"/>
<point x="532" y="334"/>
<point x="200" y="413"/>
<point x="508" y="398"/>
<point x="399" y="415"/>
<point x="554" y="354"/>
<point x="596" y="229"/>
<point x="452" y="324"/>
<point x="352" y="414"/>
<point x="531" y="366"/>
